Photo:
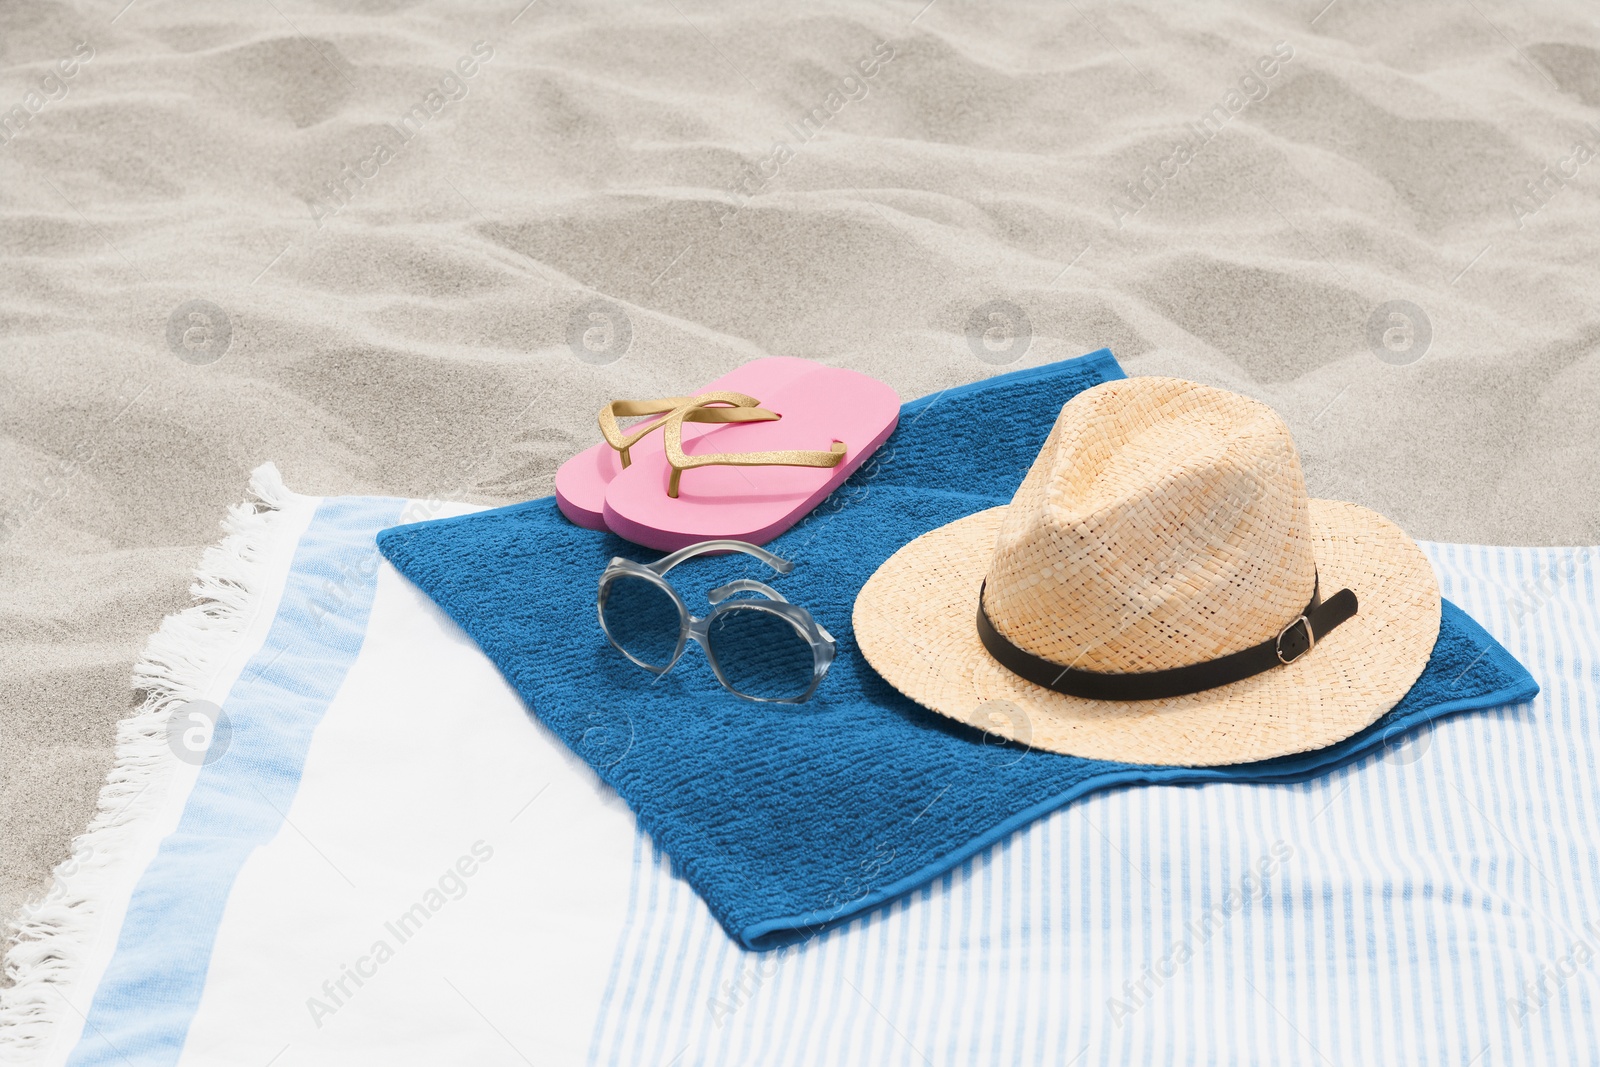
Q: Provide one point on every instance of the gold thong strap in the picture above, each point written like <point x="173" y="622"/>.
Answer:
<point x="680" y="461"/>
<point x="743" y="409"/>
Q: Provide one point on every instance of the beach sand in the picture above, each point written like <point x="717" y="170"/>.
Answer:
<point x="298" y="233"/>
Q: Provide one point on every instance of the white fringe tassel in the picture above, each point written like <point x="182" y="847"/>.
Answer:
<point x="51" y="937"/>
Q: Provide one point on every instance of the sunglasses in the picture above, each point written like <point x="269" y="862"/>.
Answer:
<point x="761" y="647"/>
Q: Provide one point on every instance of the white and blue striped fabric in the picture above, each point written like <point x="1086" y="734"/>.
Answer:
<point x="430" y="878"/>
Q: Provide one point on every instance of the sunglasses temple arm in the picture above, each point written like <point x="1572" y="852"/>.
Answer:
<point x="666" y="563"/>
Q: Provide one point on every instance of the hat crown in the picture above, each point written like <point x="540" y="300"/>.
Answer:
<point x="1164" y="523"/>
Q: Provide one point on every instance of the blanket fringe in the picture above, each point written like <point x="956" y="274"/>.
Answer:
<point x="52" y="936"/>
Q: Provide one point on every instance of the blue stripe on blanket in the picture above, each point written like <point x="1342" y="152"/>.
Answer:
<point x="786" y="818"/>
<point x="147" y="997"/>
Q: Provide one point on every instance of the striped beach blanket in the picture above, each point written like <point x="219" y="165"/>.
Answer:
<point x="335" y="836"/>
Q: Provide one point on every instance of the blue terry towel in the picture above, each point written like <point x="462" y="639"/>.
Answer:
<point x="789" y="817"/>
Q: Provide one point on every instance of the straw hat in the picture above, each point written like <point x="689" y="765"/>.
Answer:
<point x="1161" y="544"/>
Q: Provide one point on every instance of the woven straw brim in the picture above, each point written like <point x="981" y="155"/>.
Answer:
<point x="914" y="622"/>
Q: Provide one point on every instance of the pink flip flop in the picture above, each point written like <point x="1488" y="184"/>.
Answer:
<point x="751" y="481"/>
<point x="582" y="480"/>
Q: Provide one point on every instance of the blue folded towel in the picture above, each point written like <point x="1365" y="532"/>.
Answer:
<point x="789" y="817"/>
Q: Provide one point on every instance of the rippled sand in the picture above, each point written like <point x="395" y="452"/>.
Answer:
<point x="282" y="231"/>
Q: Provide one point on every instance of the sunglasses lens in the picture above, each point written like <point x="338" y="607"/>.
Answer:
<point x="761" y="654"/>
<point x="642" y="620"/>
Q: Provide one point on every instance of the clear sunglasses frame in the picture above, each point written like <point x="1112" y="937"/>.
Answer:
<point x="699" y="629"/>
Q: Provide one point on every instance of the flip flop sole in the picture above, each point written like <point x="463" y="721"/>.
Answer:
<point x="582" y="480"/>
<point x="756" y="504"/>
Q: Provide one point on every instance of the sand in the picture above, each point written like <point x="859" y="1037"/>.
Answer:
<point x="369" y="246"/>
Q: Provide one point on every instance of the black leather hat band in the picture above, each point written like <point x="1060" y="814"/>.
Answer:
<point x="1295" y="640"/>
